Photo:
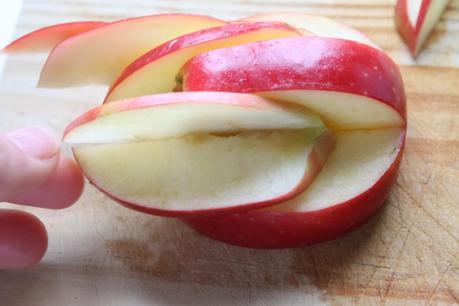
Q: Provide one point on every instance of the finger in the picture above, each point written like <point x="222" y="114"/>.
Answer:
<point x="61" y="190"/>
<point x="28" y="158"/>
<point x="23" y="239"/>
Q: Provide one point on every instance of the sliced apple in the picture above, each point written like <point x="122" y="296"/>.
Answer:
<point x="415" y="20"/>
<point x="315" y="25"/>
<point x="353" y="184"/>
<point x="100" y="55"/>
<point x="156" y="70"/>
<point x="45" y="39"/>
<point x="200" y="153"/>
<point x="350" y="85"/>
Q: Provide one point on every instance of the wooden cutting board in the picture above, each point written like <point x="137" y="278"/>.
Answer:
<point x="103" y="254"/>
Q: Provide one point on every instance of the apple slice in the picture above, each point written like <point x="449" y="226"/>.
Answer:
<point x="45" y="39"/>
<point x="156" y="70"/>
<point x="100" y="55"/>
<point x="350" y="85"/>
<point x="415" y="20"/>
<point x="181" y="154"/>
<point x="315" y="25"/>
<point x="353" y="184"/>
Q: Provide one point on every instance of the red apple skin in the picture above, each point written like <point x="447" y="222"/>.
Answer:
<point x="408" y="32"/>
<point x="195" y="38"/>
<point x="44" y="39"/>
<point x="303" y="63"/>
<point x="267" y="229"/>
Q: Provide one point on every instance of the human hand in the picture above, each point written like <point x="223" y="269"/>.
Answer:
<point x="32" y="172"/>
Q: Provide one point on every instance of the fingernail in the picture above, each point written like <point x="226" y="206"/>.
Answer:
<point x="39" y="142"/>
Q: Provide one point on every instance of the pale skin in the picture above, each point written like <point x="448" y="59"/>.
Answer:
<point x="32" y="173"/>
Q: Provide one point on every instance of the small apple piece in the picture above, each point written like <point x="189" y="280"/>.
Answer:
<point x="315" y="26"/>
<point x="353" y="184"/>
<point x="415" y="20"/>
<point x="156" y="70"/>
<point x="100" y="55"/>
<point x="45" y="39"/>
<point x="183" y="154"/>
<point x="350" y="85"/>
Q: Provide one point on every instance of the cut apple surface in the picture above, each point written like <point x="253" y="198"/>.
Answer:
<point x="349" y="84"/>
<point x="100" y="55"/>
<point x="201" y="156"/>
<point x="353" y="184"/>
<point x="156" y="70"/>
<point x="45" y="39"/>
<point x="415" y="20"/>
<point x="315" y="25"/>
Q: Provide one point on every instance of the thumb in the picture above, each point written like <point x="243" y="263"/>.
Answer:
<point x="28" y="157"/>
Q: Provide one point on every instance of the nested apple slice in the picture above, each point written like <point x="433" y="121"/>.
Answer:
<point x="315" y="25"/>
<point x="44" y="39"/>
<point x="353" y="184"/>
<point x="156" y="70"/>
<point x="350" y="85"/>
<point x="415" y="20"/>
<point x="200" y="153"/>
<point x="100" y="55"/>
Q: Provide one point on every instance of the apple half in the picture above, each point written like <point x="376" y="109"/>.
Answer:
<point x="45" y="39"/>
<point x="100" y="55"/>
<point x="415" y="20"/>
<point x="156" y="70"/>
<point x="358" y="92"/>
<point x="182" y="154"/>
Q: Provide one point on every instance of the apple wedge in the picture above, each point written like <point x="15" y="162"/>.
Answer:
<point x="350" y="85"/>
<point x="315" y="25"/>
<point x="415" y="20"/>
<point x="100" y="55"/>
<point x="351" y="187"/>
<point x="45" y="39"/>
<point x="156" y="70"/>
<point x="183" y="154"/>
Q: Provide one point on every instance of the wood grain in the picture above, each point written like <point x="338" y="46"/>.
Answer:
<point x="103" y="254"/>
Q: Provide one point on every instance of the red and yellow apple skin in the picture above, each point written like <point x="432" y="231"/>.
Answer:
<point x="45" y="39"/>
<point x="412" y="33"/>
<point x="303" y="63"/>
<point x="270" y="229"/>
<point x="197" y="40"/>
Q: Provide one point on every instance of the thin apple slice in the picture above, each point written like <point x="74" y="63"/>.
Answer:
<point x="353" y="184"/>
<point x="156" y="70"/>
<point x="100" y="55"/>
<point x="415" y="20"/>
<point x="181" y="154"/>
<point x="315" y="25"/>
<point x="350" y="85"/>
<point x="45" y="39"/>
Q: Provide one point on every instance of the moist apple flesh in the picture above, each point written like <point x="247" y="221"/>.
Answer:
<point x="201" y="171"/>
<point x="360" y="159"/>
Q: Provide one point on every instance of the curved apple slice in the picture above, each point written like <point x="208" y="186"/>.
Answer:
<point x="181" y="154"/>
<point x="353" y="184"/>
<point x="350" y="85"/>
<point x="45" y="39"/>
<point x="100" y="55"/>
<point x="415" y="20"/>
<point x="315" y="25"/>
<point x="156" y="70"/>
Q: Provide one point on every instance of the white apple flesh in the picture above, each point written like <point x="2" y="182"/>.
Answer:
<point x="182" y="154"/>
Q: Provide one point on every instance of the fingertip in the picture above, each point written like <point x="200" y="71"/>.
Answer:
<point x="63" y="188"/>
<point x="23" y="239"/>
